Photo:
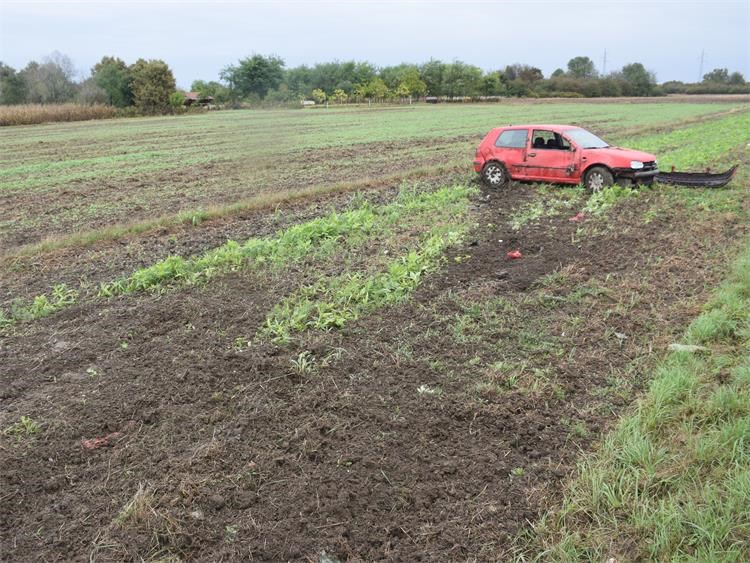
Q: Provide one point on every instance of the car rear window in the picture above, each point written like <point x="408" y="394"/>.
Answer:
<point x="512" y="139"/>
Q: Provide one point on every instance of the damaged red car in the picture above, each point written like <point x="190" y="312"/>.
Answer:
<point x="559" y="153"/>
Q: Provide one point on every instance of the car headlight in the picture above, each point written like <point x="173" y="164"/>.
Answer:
<point x="636" y="164"/>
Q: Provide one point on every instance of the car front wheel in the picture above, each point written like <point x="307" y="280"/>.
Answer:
<point x="597" y="179"/>
<point x="494" y="175"/>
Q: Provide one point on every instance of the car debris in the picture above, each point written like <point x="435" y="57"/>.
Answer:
<point x="705" y="179"/>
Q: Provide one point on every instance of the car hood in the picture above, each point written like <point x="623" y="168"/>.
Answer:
<point x="621" y="153"/>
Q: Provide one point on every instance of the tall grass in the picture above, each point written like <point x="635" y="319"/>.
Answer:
<point x="29" y="114"/>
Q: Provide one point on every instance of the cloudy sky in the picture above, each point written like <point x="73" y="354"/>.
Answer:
<point x="198" y="38"/>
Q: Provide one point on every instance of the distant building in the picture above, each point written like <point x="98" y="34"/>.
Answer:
<point x="194" y="98"/>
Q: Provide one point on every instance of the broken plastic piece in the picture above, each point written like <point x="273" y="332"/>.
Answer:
<point x="514" y="254"/>
<point x="580" y="216"/>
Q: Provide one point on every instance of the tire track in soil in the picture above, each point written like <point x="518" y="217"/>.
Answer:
<point x="350" y="460"/>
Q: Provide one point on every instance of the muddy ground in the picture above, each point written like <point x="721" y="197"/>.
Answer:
<point x="434" y="430"/>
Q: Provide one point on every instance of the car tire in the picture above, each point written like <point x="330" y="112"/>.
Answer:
<point x="598" y="178"/>
<point x="494" y="175"/>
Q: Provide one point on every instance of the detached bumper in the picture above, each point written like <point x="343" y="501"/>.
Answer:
<point x="636" y="175"/>
<point x="697" y="179"/>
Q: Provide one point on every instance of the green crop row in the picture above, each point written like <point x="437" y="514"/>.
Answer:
<point x="319" y="237"/>
<point x="314" y="239"/>
<point x="331" y="303"/>
<point x="40" y="306"/>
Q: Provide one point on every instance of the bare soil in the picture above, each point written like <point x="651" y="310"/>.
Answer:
<point x="213" y="450"/>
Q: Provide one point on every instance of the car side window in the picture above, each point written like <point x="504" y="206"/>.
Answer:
<point x="543" y="139"/>
<point x="512" y="139"/>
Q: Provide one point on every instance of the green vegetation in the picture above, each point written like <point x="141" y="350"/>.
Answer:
<point x="672" y="480"/>
<point x="314" y="240"/>
<point x="697" y="146"/>
<point x="41" y="306"/>
<point x="24" y="428"/>
<point x="600" y="202"/>
<point x="318" y="238"/>
<point x="331" y="303"/>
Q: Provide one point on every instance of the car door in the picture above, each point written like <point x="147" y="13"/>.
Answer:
<point x="510" y="149"/>
<point x="550" y="157"/>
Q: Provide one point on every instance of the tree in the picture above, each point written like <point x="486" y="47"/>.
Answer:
<point x="90" y="93"/>
<point x="216" y="90"/>
<point x="736" y="78"/>
<point x="177" y="99"/>
<point x="153" y="83"/>
<point x="432" y="75"/>
<point x="112" y="75"/>
<point x="254" y="75"/>
<point x="319" y="96"/>
<point x="558" y="72"/>
<point x="719" y="75"/>
<point x="639" y="81"/>
<point x="410" y="82"/>
<point x="12" y="85"/>
<point x="581" y="67"/>
<point x="339" y="96"/>
<point x="374" y="89"/>
<point x="401" y="91"/>
<point x="51" y="81"/>
<point x="461" y="79"/>
<point x="377" y="89"/>
<point x="526" y="74"/>
<point x="493" y="85"/>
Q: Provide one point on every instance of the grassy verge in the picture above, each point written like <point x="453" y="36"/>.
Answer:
<point x="672" y="480"/>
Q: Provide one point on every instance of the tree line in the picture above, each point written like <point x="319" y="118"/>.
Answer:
<point x="148" y="86"/>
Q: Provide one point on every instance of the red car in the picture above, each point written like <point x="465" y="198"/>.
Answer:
<point x="559" y="153"/>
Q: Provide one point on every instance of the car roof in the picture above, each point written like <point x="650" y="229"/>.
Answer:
<point x="547" y="126"/>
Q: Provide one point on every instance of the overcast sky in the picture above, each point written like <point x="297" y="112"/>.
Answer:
<point x="198" y="38"/>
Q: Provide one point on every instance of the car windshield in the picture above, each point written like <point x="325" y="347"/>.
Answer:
<point x="586" y="140"/>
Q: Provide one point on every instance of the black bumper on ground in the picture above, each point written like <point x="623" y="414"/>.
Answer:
<point x="636" y="175"/>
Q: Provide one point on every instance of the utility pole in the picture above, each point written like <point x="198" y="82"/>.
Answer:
<point x="604" y="63"/>
<point x="700" y="68"/>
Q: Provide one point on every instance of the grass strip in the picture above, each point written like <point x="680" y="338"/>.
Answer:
<point x="671" y="482"/>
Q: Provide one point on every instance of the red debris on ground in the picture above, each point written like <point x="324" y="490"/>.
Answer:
<point x="95" y="443"/>
<point x="109" y="439"/>
<point x="580" y="216"/>
<point x="514" y="254"/>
